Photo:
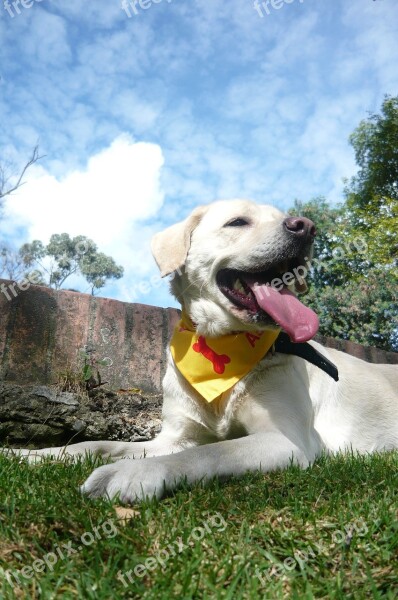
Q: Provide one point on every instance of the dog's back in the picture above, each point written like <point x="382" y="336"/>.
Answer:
<point x="360" y="411"/>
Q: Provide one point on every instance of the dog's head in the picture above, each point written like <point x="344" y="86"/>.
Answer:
<point x="237" y="266"/>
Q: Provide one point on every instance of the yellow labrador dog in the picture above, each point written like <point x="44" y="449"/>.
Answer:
<point x="236" y="399"/>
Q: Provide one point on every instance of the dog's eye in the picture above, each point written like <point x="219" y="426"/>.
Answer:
<point x="237" y="223"/>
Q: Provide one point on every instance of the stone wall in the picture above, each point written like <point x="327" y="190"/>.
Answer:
<point x="43" y="332"/>
<point x="370" y="354"/>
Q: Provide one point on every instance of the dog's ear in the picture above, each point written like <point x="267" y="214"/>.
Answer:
<point x="170" y="247"/>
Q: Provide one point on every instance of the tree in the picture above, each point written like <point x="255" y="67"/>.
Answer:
<point x="12" y="264"/>
<point x="364" y="311"/>
<point x="376" y="153"/>
<point x="354" y="285"/>
<point x="15" y="264"/>
<point x="372" y="195"/>
<point x="97" y="268"/>
<point x="62" y="257"/>
<point x="325" y="217"/>
<point x="355" y="297"/>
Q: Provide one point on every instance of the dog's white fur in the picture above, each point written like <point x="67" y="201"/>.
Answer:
<point x="284" y="409"/>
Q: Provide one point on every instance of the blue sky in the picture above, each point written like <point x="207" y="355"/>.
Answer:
<point x="143" y="117"/>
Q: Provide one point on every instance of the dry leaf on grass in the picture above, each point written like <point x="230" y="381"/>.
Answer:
<point x="124" y="514"/>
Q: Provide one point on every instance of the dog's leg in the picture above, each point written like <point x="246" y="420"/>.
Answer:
<point x="161" y="445"/>
<point x="135" y="480"/>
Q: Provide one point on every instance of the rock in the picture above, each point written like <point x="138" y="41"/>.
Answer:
<point x="54" y="396"/>
<point x="34" y="416"/>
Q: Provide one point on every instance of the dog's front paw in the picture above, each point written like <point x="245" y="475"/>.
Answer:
<point x="133" y="480"/>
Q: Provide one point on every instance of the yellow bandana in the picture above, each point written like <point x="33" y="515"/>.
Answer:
<point x="213" y="365"/>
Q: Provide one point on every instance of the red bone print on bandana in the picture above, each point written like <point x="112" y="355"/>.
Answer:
<point x="219" y="360"/>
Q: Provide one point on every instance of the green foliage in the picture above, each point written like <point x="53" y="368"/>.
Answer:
<point x="354" y="285"/>
<point x="378" y="228"/>
<point x="97" y="268"/>
<point x="376" y="153"/>
<point x="65" y="256"/>
<point x="90" y="371"/>
<point x="372" y="195"/>
<point x="85" y="377"/>
<point x="14" y="264"/>
<point x="324" y="216"/>
<point x="354" y="293"/>
<point x="365" y="312"/>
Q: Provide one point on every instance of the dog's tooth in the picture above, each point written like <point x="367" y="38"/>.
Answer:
<point x="238" y="286"/>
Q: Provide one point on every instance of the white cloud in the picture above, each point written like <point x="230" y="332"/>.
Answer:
<point x="106" y="201"/>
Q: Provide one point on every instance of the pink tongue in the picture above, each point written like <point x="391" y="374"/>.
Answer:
<point x="299" y="322"/>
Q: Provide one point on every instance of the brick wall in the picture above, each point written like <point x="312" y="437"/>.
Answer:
<point x="42" y="332"/>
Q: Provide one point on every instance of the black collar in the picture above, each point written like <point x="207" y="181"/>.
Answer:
<point x="308" y="352"/>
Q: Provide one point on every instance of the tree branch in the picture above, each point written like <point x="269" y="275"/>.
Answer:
<point x="34" y="158"/>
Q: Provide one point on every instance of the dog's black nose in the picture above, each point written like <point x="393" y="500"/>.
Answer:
<point x="300" y="226"/>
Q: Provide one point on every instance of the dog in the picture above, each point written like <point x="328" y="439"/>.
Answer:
<point x="236" y="267"/>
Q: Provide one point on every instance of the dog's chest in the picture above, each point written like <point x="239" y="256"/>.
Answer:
<point x="237" y="412"/>
<point x="241" y="411"/>
<point x="222" y="415"/>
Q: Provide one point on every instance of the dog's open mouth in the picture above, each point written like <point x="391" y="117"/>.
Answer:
<point x="254" y="293"/>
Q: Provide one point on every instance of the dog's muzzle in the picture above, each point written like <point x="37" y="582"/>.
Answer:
<point x="265" y="296"/>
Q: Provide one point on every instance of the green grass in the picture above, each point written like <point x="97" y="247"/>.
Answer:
<point x="335" y="526"/>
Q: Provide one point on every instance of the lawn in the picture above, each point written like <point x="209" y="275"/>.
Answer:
<point x="328" y="532"/>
